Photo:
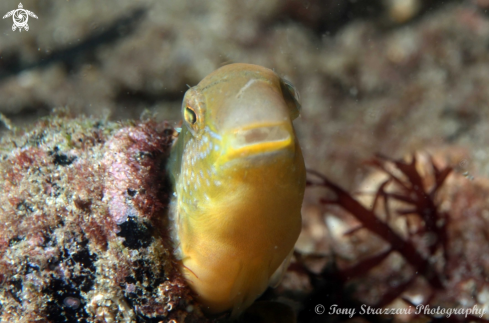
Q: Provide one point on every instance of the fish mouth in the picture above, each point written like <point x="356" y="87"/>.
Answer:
<point x="258" y="140"/>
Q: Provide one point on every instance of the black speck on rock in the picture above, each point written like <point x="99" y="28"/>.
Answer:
<point x="62" y="293"/>
<point x="131" y="192"/>
<point x="16" y="289"/>
<point x="47" y="238"/>
<point x="63" y="160"/>
<point x="57" y="310"/>
<point x="130" y="280"/>
<point x="84" y="257"/>
<point x="25" y="207"/>
<point x="142" y="155"/>
<point x="30" y="268"/>
<point x="14" y="241"/>
<point x="137" y="235"/>
<point x="143" y="273"/>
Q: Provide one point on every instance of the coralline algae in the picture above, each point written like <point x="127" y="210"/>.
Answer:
<point x="82" y="225"/>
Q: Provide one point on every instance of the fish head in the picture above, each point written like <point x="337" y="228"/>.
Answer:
<point x="240" y="113"/>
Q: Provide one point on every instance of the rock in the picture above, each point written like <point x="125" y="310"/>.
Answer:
<point x="82" y="225"/>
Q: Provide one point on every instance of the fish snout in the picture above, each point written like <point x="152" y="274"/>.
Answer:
<point x="258" y="140"/>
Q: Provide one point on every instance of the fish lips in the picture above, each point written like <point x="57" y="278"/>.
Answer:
<point x="258" y="141"/>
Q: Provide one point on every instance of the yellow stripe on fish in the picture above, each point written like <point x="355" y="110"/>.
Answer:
<point x="239" y="180"/>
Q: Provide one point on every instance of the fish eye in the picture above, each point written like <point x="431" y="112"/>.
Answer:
<point x="193" y="111"/>
<point x="190" y="115"/>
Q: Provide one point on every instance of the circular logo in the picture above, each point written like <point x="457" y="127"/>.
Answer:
<point x="20" y="17"/>
<point x="319" y="309"/>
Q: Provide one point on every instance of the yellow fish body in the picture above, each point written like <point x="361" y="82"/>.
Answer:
<point x="239" y="181"/>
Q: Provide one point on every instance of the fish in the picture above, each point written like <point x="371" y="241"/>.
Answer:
<point x="239" y="177"/>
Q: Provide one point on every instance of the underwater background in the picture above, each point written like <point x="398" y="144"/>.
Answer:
<point x="395" y="111"/>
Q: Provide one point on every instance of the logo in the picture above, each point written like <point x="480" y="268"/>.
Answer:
<point x="20" y="17"/>
<point x="319" y="309"/>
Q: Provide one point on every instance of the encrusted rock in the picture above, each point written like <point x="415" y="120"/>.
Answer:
<point x="82" y="225"/>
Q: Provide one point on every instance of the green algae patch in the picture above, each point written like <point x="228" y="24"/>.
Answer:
<point x="83" y="224"/>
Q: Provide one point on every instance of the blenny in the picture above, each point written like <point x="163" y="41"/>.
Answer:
<point x="239" y="180"/>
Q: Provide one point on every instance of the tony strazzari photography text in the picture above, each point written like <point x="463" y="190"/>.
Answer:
<point x="418" y="310"/>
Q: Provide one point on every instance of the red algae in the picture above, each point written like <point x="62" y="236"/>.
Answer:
<point x="414" y="234"/>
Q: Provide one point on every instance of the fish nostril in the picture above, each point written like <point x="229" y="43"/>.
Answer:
<point x="258" y="135"/>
